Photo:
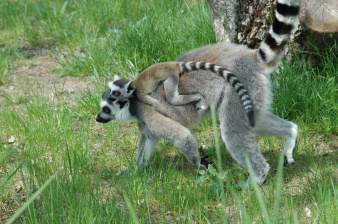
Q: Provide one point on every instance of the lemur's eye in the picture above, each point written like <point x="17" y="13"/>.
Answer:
<point x="106" y="110"/>
<point x="116" y="93"/>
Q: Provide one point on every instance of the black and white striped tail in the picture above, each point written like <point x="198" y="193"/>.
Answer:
<point x="285" y="20"/>
<point x="231" y="78"/>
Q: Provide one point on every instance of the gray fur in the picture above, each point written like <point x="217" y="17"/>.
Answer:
<point x="239" y="138"/>
<point x="253" y="68"/>
<point x="150" y="78"/>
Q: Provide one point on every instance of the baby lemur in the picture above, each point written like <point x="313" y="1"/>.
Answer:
<point x="148" y="81"/>
<point x="253" y="69"/>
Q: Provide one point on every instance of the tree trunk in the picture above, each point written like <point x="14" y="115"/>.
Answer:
<point x="247" y="21"/>
<point x="241" y="21"/>
<point x="319" y="24"/>
<point x="224" y="14"/>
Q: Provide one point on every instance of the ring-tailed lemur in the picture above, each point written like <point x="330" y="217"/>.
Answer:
<point x="148" y="81"/>
<point x="252" y="67"/>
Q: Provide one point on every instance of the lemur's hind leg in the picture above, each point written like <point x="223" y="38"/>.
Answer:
<point x="271" y="125"/>
<point x="241" y="142"/>
<point x="173" y="96"/>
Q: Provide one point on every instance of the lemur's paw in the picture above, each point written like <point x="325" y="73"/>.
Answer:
<point x="201" y="104"/>
<point x="158" y="107"/>
<point x="205" y="161"/>
<point x="289" y="161"/>
<point x="121" y="172"/>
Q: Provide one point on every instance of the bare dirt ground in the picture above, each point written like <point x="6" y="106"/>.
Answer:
<point x="40" y="75"/>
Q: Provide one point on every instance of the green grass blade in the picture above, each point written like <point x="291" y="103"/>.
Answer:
<point x="279" y="187"/>
<point x="217" y="143"/>
<point x="31" y="199"/>
<point x="10" y="177"/>
<point x="131" y="209"/>
<point x="14" y="148"/>
<point x="7" y="155"/>
<point x="258" y="192"/>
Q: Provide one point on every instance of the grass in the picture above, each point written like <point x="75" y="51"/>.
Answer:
<point x="313" y="89"/>
<point x="64" y="152"/>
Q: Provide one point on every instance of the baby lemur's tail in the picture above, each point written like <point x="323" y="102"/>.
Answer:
<point x="286" y="18"/>
<point x="231" y="78"/>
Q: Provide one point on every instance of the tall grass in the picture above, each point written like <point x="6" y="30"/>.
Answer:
<point x="314" y="91"/>
<point x="107" y="35"/>
<point x="100" y="38"/>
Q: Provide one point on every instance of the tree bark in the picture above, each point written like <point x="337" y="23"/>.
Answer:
<point x="241" y="21"/>
<point x="247" y="21"/>
<point x="224" y="14"/>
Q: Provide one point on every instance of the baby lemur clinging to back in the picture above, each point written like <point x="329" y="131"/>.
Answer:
<point x="253" y="69"/>
<point x="149" y="80"/>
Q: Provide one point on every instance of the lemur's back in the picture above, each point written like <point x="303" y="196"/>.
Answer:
<point x="252" y="67"/>
<point x="236" y="58"/>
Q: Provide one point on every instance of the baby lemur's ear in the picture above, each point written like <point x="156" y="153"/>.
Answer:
<point x="130" y="88"/>
<point x="116" y="77"/>
<point x="111" y="85"/>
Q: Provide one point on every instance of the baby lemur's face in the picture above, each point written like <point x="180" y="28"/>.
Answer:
<point x="121" y="88"/>
<point x="112" y="108"/>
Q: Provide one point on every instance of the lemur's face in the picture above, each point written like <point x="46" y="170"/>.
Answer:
<point x="116" y="91"/>
<point x="121" y="88"/>
<point x="112" y="108"/>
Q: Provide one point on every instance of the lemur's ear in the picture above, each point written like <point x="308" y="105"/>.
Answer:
<point x="116" y="77"/>
<point x="122" y="103"/>
<point x="110" y="85"/>
<point x="113" y="100"/>
<point x="130" y="88"/>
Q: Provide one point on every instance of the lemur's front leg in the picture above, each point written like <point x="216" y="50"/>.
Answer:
<point x="145" y="149"/>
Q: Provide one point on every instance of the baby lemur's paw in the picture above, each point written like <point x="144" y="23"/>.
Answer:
<point x="202" y="104"/>
<point x="158" y="107"/>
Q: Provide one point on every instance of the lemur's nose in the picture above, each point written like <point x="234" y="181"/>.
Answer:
<point x="100" y="119"/>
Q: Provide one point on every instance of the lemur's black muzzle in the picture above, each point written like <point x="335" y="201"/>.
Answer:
<point x="101" y="119"/>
